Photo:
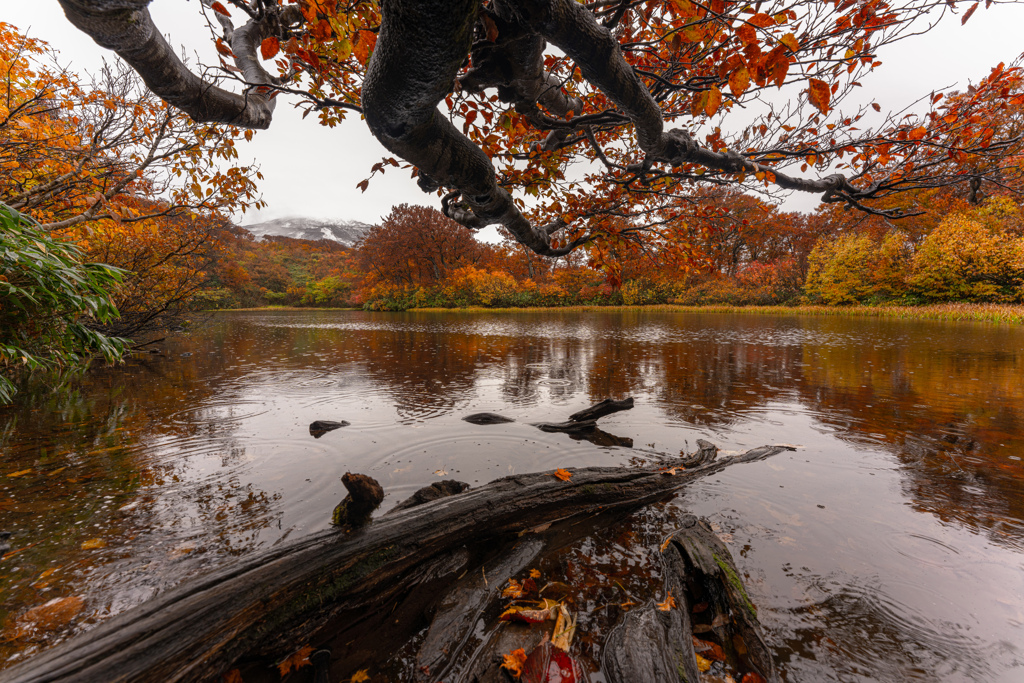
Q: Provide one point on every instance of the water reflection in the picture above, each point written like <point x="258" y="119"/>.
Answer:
<point x="905" y="498"/>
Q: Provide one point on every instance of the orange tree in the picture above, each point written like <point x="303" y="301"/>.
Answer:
<point x="113" y="168"/>
<point x="643" y="92"/>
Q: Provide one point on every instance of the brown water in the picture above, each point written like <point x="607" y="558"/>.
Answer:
<point x="889" y="547"/>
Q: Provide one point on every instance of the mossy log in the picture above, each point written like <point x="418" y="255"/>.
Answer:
<point x="658" y="645"/>
<point x="262" y="607"/>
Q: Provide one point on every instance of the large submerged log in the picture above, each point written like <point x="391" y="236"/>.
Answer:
<point x="267" y="604"/>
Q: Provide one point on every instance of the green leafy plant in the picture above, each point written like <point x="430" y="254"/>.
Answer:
<point x="48" y="298"/>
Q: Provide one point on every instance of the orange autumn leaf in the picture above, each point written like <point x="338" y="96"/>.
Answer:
<point x="713" y="102"/>
<point x="360" y="676"/>
<point x="819" y="95"/>
<point x="220" y="9"/>
<point x="665" y="543"/>
<point x="669" y="603"/>
<point x="739" y="81"/>
<point x="514" y="662"/>
<point x="269" y="47"/>
<point x="513" y="590"/>
<point x="564" y="475"/>
<point x="534" y="573"/>
<point x="297" y="660"/>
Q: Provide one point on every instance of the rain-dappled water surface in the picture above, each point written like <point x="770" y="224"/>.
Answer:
<point x="888" y="547"/>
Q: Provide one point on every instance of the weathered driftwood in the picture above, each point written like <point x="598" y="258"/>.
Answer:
<point x="262" y="607"/>
<point x="568" y="427"/>
<point x="657" y="646"/>
<point x="599" y="410"/>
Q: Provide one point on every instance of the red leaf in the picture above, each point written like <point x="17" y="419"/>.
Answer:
<point x="548" y="664"/>
<point x="363" y="185"/>
<point x="969" y="13"/>
<point x="220" y="9"/>
<point x="269" y="47"/>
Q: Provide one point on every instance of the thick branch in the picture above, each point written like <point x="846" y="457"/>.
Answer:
<point x="126" y="27"/>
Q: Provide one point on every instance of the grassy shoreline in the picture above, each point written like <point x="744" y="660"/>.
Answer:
<point x="997" y="313"/>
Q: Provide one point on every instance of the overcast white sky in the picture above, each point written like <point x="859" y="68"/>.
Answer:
<point x="312" y="171"/>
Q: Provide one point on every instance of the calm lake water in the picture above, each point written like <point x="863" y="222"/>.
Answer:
<point x="888" y="547"/>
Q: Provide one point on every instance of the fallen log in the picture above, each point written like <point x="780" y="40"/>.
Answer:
<point x="264" y="606"/>
<point x="702" y="582"/>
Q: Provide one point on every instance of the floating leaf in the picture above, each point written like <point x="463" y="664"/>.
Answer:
<point x="94" y="544"/>
<point x="440" y="473"/>
<point x="51" y="615"/>
<point x="564" y="475"/>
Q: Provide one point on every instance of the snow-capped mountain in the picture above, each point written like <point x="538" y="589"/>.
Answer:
<point x="345" y="232"/>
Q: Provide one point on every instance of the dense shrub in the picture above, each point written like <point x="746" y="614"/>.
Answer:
<point x="972" y="257"/>
<point x="50" y="302"/>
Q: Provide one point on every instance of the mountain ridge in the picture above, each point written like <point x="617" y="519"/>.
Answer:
<point x="303" y="228"/>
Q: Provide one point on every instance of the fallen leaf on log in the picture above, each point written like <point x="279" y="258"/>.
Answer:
<point x="514" y="662"/>
<point x="534" y="573"/>
<point x="703" y="664"/>
<point x="233" y="676"/>
<point x="565" y="629"/>
<point x="664" y="544"/>
<point x="20" y="473"/>
<point x="564" y="475"/>
<point x="94" y="543"/>
<point x="548" y="664"/>
<point x="708" y="649"/>
<point x="669" y="603"/>
<point x="360" y="676"/>
<point x="530" y="615"/>
<point x="513" y="590"/>
<point x="296" y="660"/>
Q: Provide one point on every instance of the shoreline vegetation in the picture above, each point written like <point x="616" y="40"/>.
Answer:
<point x="995" y="313"/>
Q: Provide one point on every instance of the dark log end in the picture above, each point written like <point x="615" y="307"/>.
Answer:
<point x="364" y="496"/>
<point x="320" y="427"/>
<point x="599" y="410"/>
